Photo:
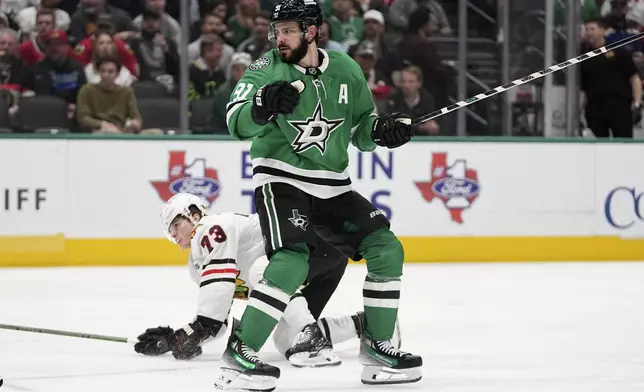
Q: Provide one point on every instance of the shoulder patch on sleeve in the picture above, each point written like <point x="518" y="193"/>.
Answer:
<point x="260" y="63"/>
<point x="79" y="49"/>
<point x="194" y="231"/>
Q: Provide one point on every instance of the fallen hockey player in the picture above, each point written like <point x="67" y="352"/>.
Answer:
<point x="227" y="260"/>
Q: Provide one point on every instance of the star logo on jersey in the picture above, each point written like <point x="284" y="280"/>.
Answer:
<point x="314" y="132"/>
<point x="194" y="177"/>
<point x="298" y="220"/>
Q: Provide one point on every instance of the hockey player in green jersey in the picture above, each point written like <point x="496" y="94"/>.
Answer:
<point x="301" y="106"/>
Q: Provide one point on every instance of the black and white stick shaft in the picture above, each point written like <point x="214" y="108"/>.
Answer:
<point x="529" y="78"/>
<point x="68" y="333"/>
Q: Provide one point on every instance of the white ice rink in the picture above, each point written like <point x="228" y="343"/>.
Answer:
<point x="555" y="327"/>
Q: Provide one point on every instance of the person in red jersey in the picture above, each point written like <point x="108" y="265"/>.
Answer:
<point x="33" y="50"/>
<point x="84" y="49"/>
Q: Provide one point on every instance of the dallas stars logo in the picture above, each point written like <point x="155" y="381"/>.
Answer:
<point x="314" y="131"/>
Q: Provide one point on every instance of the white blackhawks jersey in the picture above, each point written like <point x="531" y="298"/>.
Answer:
<point x="227" y="259"/>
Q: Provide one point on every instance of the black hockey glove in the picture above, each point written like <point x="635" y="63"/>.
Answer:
<point x="154" y="341"/>
<point x="273" y="99"/>
<point x="186" y="342"/>
<point x="392" y="131"/>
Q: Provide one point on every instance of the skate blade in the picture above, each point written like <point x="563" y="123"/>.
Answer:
<point x="323" y="358"/>
<point x="378" y="375"/>
<point x="231" y="380"/>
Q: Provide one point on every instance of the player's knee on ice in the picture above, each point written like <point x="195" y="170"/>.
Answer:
<point x="288" y="268"/>
<point x="384" y="254"/>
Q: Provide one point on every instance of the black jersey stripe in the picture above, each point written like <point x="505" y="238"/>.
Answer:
<point x="233" y="104"/>
<point x="218" y="280"/>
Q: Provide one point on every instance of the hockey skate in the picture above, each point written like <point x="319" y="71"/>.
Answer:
<point x="312" y="349"/>
<point x="244" y="371"/>
<point x="354" y="321"/>
<point x="385" y="364"/>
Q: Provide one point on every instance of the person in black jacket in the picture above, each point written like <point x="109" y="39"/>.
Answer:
<point x="206" y="73"/>
<point x="611" y="89"/>
<point x="57" y="74"/>
<point x="157" y="54"/>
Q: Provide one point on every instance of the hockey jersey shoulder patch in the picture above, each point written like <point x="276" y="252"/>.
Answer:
<point x="260" y="63"/>
<point x="194" y="231"/>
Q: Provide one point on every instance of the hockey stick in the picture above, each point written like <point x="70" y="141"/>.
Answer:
<point x="529" y="78"/>
<point x="68" y="333"/>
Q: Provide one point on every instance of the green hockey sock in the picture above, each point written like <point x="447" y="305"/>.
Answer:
<point x="381" y="291"/>
<point x="284" y="274"/>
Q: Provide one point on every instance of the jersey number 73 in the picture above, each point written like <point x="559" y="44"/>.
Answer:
<point x="216" y="234"/>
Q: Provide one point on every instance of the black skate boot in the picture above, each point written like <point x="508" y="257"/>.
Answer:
<point x="358" y="321"/>
<point x="244" y="371"/>
<point x="385" y="364"/>
<point x="312" y="349"/>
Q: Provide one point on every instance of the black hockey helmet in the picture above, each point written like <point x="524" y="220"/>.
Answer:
<point x="305" y="12"/>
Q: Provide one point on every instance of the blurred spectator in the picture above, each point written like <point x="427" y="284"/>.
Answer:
<point x="374" y="29"/>
<point x="611" y="89"/>
<point x="241" y="23"/>
<point x="85" y="19"/>
<point x="27" y="18"/>
<point x="12" y="78"/>
<point x="324" y="41"/>
<point x="57" y="74"/>
<point x="206" y="74"/>
<point x="258" y="44"/>
<point x="366" y="56"/>
<point x="619" y="27"/>
<point x="84" y="50"/>
<point x="106" y="48"/>
<point x="32" y="50"/>
<point x="157" y="54"/>
<point x="219" y="8"/>
<point x="8" y="41"/>
<point x="401" y="10"/>
<point x="212" y="24"/>
<point x="412" y="99"/>
<point x="324" y="38"/>
<point x="345" y="28"/>
<point x="106" y="107"/>
<point x="10" y="9"/>
<point x="238" y="65"/>
<point x="416" y="49"/>
<point x="169" y="26"/>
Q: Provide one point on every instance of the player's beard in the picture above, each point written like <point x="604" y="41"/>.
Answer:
<point x="296" y="54"/>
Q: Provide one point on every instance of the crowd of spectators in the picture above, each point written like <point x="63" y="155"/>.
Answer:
<point x="111" y="66"/>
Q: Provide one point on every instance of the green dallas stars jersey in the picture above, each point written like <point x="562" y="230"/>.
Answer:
<point x="308" y="148"/>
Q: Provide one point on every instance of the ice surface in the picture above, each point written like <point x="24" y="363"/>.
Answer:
<point x="551" y="327"/>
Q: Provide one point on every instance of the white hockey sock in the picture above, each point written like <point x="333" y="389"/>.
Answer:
<point x="338" y="329"/>
<point x="297" y="314"/>
<point x="295" y="318"/>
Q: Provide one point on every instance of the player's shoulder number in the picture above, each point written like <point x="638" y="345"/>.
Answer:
<point x="215" y="235"/>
